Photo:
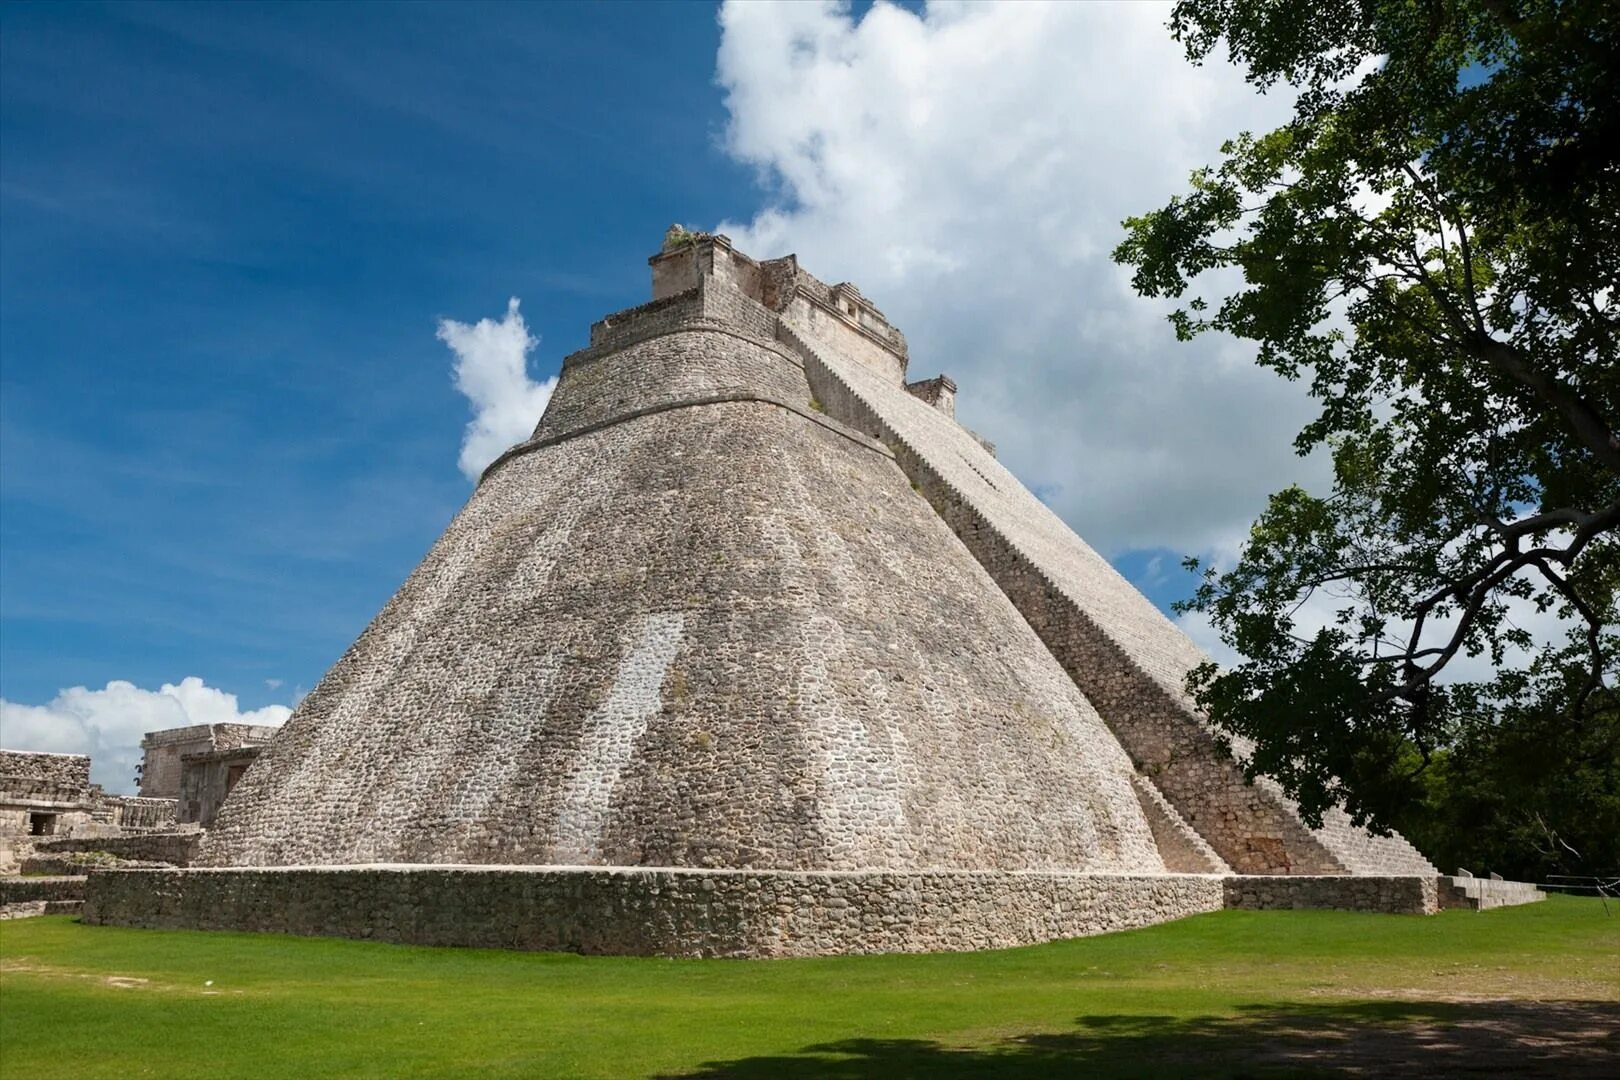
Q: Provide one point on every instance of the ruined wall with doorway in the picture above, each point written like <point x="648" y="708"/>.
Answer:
<point x="207" y="778"/>
<point x="44" y="794"/>
<point x="161" y="764"/>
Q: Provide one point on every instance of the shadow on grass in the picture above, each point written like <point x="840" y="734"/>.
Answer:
<point x="1501" y="1038"/>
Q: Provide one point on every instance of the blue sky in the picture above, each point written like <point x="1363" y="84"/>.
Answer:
<point x="228" y="429"/>
<point x="228" y="234"/>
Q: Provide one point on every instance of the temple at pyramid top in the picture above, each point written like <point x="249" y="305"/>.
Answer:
<point x="749" y="600"/>
<point x="840" y="311"/>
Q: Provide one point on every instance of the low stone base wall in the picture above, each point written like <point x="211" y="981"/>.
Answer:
<point x="639" y="911"/>
<point x="1390" y="895"/>
<point x="1482" y="894"/>
<point x="17" y="890"/>
<point x="678" y="912"/>
<point x="176" y="848"/>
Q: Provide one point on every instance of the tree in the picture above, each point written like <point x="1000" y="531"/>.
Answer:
<point x="1524" y="793"/>
<point x="1433" y="243"/>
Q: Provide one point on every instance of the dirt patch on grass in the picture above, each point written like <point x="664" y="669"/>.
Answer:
<point x="116" y="982"/>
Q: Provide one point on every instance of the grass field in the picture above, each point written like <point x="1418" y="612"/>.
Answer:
<point x="1521" y="990"/>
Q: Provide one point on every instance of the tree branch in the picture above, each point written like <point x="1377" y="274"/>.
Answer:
<point x="1594" y="635"/>
<point x="1587" y="424"/>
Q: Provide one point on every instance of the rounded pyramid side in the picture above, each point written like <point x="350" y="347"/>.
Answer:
<point x="1124" y="653"/>
<point x="694" y="623"/>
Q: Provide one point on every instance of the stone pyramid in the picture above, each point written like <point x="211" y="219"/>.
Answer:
<point x="748" y="600"/>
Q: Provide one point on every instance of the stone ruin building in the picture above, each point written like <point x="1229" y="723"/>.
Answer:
<point x="198" y="766"/>
<point x="51" y="795"/>
<point x="753" y="649"/>
<point x="55" y="824"/>
<point x="165" y="754"/>
<point x="45" y="794"/>
<point x="48" y="802"/>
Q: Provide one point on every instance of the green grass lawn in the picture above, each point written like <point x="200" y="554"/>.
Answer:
<point x="1513" y="991"/>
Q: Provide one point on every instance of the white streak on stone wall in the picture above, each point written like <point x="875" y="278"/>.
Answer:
<point x="858" y="747"/>
<point x="360" y="679"/>
<point x="406" y="789"/>
<point x="610" y="736"/>
<point x="859" y="805"/>
<point x="502" y="748"/>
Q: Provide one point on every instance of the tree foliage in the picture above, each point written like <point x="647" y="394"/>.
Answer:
<point x="1432" y="243"/>
<point x="1523" y="793"/>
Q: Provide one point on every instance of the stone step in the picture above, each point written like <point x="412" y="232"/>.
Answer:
<point x="1483" y="894"/>
<point x="52" y="865"/>
<point x="27" y="909"/>
<point x="16" y="890"/>
<point x="74" y="864"/>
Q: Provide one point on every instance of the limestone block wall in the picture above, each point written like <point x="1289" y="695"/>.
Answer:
<point x="784" y="279"/>
<point x="236" y="736"/>
<point x="160" y="759"/>
<point x="738" y="309"/>
<point x="43" y="793"/>
<point x="1122" y="652"/>
<point x="1415" y="894"/>
<point x="655" y="316"/>
<point x="837" y="334"/>
<point x="709" y="259"/>
<point x="18" y="818"/>
<point x="709" y="303"/>
<point x="55" y="785"/>
<point x="651" y="911"/>
<point x="161" y="765"/>
<point x="134" y="812"/>
<point x="669" y="362"/>
<point x="1479" y="894"/>
<point x="22" y="890"/>
<point x="940" y="392"/>
<point x="1181" y="848"/>
<point x="175" y="848"/>
<point x="722" y="632"/>
<point x="65" y="770"/>
<point x="206" y="779"/>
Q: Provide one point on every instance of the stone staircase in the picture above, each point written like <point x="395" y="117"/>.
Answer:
<point x="1122" y="653"/>
<point x="51" y="874"/>
<point x="1481" y="894"/>
<point x="57" y="894"/>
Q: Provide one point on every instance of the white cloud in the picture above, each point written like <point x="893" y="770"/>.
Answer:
<point x="491" y="369"/>
<point x="1321" y="607"/>
<point x="108" y="724"/>
<point x="969" y="168"/>
<point x="1197" y="625"/>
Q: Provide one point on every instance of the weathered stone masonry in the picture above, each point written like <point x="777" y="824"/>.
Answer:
<point x="163" y="751"/>
<point x="644" y="911"/>
<point x="1175" y="757"/>
<point x="60" y="770"/>
<point x="828" y="702"/>
<point x="751" y="649"/>
<point x="1120" y="651"/>
<point x="43" y="794"/>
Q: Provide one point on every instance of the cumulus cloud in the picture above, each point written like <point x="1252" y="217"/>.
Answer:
<point x="1321" y="607"/>
<point x="968" y="167"/>
<point x="108" y="724"/>
<point x="491" y="369"/>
